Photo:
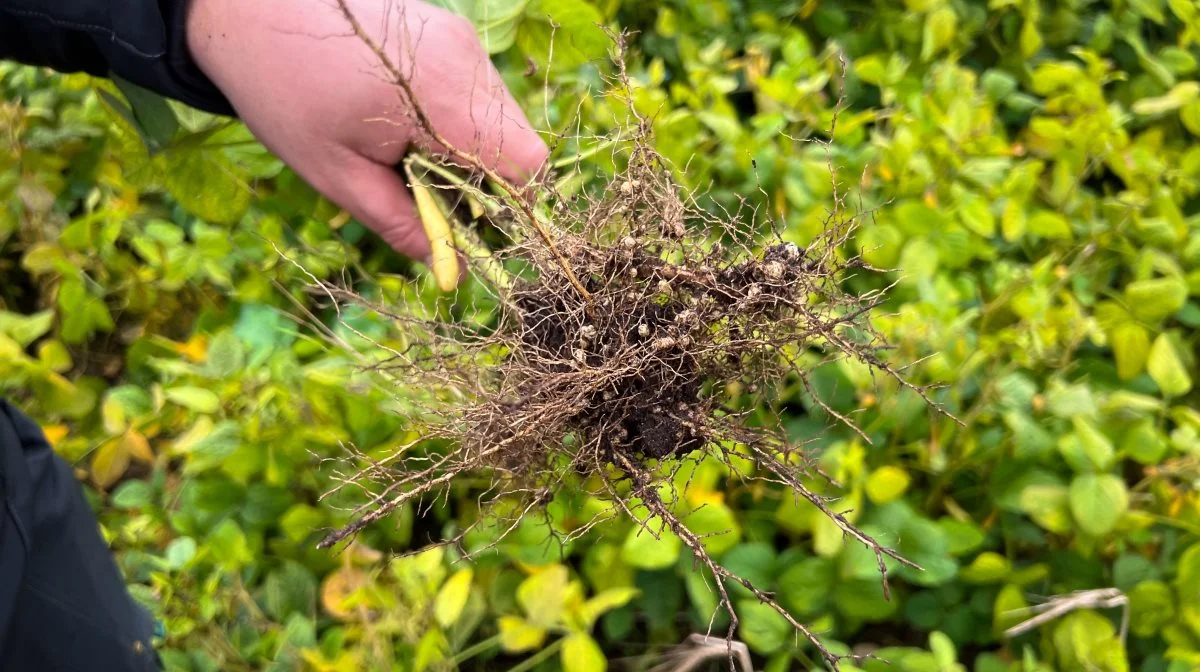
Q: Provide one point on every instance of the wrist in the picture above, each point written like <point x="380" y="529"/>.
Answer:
<point x="198" y="31"/>
<point x="195" y="86"/>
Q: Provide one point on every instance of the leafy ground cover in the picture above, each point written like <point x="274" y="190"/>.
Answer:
<point x="1029" y="170"/>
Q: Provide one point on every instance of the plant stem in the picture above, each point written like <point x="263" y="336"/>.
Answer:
<point x="488" y="201"/>
<point x="532" y="661"/>
<point x="478" y="648"/>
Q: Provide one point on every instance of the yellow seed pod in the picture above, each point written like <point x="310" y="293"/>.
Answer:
<point x="443" y="257"/>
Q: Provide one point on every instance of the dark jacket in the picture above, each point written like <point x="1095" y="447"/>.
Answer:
<point x="63" y="603"/>
<point x="139" y="40"/>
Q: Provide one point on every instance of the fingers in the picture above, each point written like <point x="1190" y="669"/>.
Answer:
<point x="518" y="150"/>
<point x="465" y="98"/>
<point x="378" y="197"/>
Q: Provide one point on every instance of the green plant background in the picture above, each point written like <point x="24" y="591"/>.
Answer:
<point x="1031" y="172"/>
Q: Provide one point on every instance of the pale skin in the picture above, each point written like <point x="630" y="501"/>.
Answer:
<point x="314" y="94"/>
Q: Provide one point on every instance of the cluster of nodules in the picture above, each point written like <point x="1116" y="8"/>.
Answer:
<point x="654" y="337"/>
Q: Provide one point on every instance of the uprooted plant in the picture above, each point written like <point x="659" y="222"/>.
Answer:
<point x="624" y="316"/>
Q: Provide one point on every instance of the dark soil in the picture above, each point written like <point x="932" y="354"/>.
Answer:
<point x="656" y="411"/>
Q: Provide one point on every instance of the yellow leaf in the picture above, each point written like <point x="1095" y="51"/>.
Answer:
<point x="542" y="595"/>
<point x="184" y="442"/>
<point x="347" y="660"/>
<point x="887" y="483"/>
<point x="362" y="554"/>
<point x="55" y="433"/>
<point x="109" y="462"/>
<point x="195" y="348"/>
<point x="699" y="497"/>
<point x="606" y="601"/>
<point x="581" y="653"/>
<point x="517" y="635"/>
<point x="137" y="445"/>
<point x="337" y="587"/>
<point x="452" y="598"/>
<point x="431" y="650"/>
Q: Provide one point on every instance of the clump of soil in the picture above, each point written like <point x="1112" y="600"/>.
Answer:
<point x="615" y="348"/>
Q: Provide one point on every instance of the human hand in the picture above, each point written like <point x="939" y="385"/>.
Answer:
<point x="314" y="94"/>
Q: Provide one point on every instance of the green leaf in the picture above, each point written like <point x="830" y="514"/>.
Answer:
<point x="1086" y="640"/>
<point x="643" y="551"/>
<point x="452" y="597"/>
<point x="718" y="528"/>
<point x="1179" y="95"/>
<point x="919" y="260"/>
<point x="1098" y="501"/>
<point x="228" y="545"/>
<point x="987" y="567"/>
<point x="25" y="329"/>
<point x="871" y="69"/>
<point x="1048" y="506"/>
<point x="206" y="182"/>
<point x="1144" y="443"/>
<point x="180" y="552"/>
<point x="1030" y="39"/>
<point x="976" y="215"/>
<point x="264" y="329"/>
<point x="153" y="116"/>
<point x="880" y="245"/>
<point x="754" y="562"/>
<point x="1187" y="577"/>
<point x="577" y="39"/>
<point x="863" y="599"/>
<point x="292" y="589"/>
<point x="82" y="313"/>
<point x="581" y="653"/>
<point x="961" y="537"/>
<point x="806" y="587"/>
<point x="1049" y="224"/>
<point x="1167" y="368"/>
<point x="1009" y="608"/>
<point x="193" y="398"/>
<point x="1151" y="607"/>
<point x="1095" y="445"/>
<point x="212" y="447"/>
<point x="124" y="404"/>
<point x="762" y="628"/>
<point x="1131" y="347"/>
<point x="226" y="356"/>
<point x="432" y="649"/>
<point x="133" y="495"/>
<point x="940" y="26"/>
<point x="1013" y="221"/>
<point x="1152" y="300"/>
<point x="300" y="521"/>
<point x="943" y="650"/>
<point x="496" y="21"/>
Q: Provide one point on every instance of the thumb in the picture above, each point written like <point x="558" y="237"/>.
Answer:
<point x="378" y="197"/>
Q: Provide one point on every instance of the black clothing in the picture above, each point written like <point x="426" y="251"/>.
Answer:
<point x="63" y="604"/>
<point x="139" y="40"/>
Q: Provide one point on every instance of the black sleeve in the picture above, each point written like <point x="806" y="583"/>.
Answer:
<point x="140" y="40"/>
